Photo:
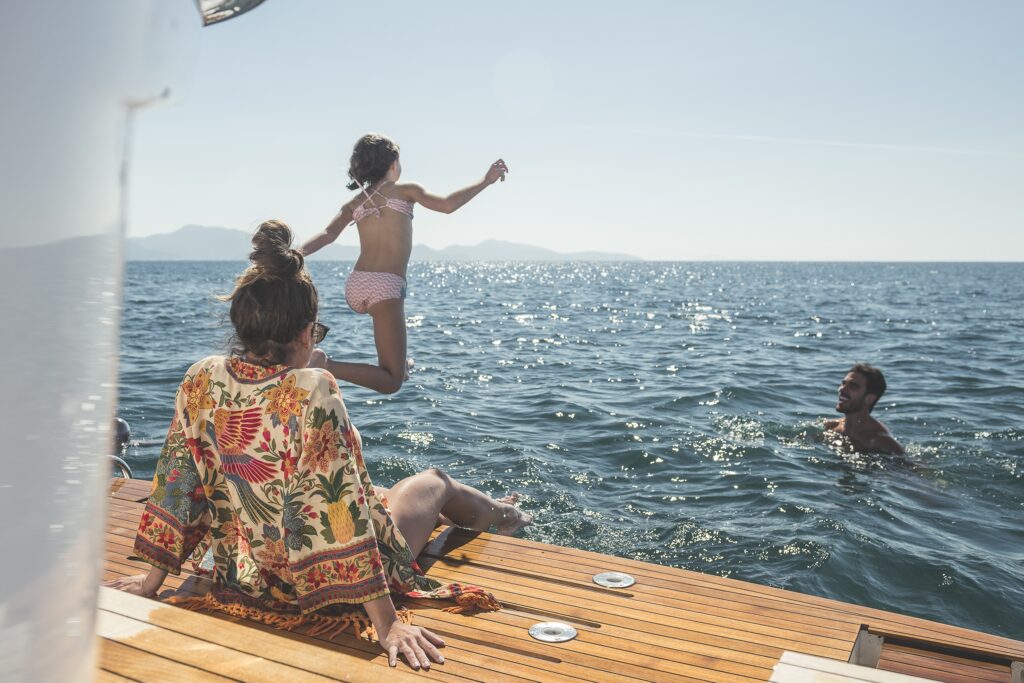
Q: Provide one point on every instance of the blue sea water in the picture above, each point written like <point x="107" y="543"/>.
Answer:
<point x="671" y="412"/>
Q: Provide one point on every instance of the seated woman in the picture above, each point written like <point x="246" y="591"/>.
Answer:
<point x="262" y="463"/>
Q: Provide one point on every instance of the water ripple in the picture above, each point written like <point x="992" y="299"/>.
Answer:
<point x="671" y="412"/>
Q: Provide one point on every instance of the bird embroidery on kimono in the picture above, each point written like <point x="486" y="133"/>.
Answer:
<point x="234" y="432"/>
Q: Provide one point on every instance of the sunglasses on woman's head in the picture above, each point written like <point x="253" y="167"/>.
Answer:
<point x="319" y="332"/>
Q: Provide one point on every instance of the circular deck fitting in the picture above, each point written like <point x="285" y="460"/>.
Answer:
<point x="614" y="580"/>
<point x="552" y="632"/>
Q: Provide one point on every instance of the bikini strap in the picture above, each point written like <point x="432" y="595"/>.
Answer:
<point x="369" y="200"/>
<point x="365" y="193"/>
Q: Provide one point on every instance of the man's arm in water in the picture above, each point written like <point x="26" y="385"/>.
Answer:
<point x="884" y="443"/>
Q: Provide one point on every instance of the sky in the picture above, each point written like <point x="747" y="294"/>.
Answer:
<point x="676" y="130"/>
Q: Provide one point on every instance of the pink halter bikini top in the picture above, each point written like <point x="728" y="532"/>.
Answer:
<point x="368" y="207"/>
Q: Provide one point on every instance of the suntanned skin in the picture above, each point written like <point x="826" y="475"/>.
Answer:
<point x="864" y="433"/>
<point x="385" y="247"/>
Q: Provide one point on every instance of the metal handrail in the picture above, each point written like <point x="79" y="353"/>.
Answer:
<point x="121" y="468"/>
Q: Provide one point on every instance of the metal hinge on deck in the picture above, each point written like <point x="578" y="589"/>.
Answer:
<point x="867" y="649"/>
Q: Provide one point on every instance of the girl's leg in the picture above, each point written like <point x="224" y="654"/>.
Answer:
<point x="416" y="501"/>
<point x="389" y="335"/>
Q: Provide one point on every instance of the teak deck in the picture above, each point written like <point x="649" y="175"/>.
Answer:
<point x="672" y="625"/>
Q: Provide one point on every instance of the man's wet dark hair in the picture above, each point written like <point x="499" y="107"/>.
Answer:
<point x="875" y="381"/>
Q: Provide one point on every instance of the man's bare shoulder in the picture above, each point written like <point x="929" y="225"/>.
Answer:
<point x="879" y="439"/>
<point x="833" y="425"/>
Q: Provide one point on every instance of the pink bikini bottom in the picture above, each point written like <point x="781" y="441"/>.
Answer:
<point x="363" y="289"/>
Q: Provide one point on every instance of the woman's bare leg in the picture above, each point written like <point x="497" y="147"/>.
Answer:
<point x="417" y="501"/>
<point x="389" y="335"/>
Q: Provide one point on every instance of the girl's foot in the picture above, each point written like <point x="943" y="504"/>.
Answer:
<point x="409" y="365"/>
<point x="513" y="519"/>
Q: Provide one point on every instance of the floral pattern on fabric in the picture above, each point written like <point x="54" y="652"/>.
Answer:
<point x="263" y="466"/>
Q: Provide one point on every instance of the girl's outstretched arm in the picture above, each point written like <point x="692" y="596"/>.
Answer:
<point x="328" y="234"/>
<point x="458" y="198"/>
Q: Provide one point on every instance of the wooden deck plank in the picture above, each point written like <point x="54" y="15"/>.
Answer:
<point x="946" y="669"/>
<point x="200" y="652"/>
<point x="104" y="676"/>
<point x="524" y="548"/>
<point x="641" y="593"/>
<point x="904" y="623"/>
<point x="893" y="649"/>
<point x="301" y="657"/>
<point x="500" y="650"/>
<point x="708" y="663"/>
<point x="525" y="666"/>
<point x="322" y="656"/>
<point x="140" y="665"/>
<point x="594" y="644"/>
<point x="672" y="625"/>
<point x="732" y="611"/>
<point x="760" y="654"/>
<point x="523" y="596"/>
<point x="650" y="643"/>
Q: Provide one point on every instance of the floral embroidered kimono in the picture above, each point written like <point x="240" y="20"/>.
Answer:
<point x="262" y="465"/>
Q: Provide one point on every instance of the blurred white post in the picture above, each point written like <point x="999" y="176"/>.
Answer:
<point x="71" y="73"/>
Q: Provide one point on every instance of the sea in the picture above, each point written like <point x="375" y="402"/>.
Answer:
<point x="672" y="412"/>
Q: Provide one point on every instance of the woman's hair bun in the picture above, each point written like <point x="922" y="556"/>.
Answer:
<point x="272" y="254"/>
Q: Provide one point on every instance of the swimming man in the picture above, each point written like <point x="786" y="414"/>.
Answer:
<point x="858" y="393"/>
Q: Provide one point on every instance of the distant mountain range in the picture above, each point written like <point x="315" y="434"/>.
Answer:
<point x="204" y="243"/>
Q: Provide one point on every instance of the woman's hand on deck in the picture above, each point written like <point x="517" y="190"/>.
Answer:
<point x="136" y="585"/>
<point x="417" y="645"/>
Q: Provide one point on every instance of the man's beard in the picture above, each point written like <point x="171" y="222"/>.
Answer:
<point x="849" y="407"/>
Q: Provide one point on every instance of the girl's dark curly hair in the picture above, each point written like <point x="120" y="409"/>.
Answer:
<point x="274" y="298"/>
<point x="371" y="158"/>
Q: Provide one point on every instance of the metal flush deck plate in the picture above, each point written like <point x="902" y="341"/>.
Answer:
<point x="614" y="580"/>
<point x="552" y="632"/>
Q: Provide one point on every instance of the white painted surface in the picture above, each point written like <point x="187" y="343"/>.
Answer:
<point x="71" y="74"/>
<point x="794" y="667"/>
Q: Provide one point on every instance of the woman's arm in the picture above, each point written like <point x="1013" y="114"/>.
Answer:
<point x="170" y="531"/>
<point x="458" y="198"/>
<point x="328" y="234"/>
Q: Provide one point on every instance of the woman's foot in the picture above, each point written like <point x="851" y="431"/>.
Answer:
<point x="513" y="519"/>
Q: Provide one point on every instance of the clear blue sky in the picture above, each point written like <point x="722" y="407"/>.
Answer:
<point x="868" y="130"/>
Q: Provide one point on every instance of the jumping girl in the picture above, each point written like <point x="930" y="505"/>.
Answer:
<point x="383" y="213"/>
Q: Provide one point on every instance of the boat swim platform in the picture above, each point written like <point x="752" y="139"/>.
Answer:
<point x="672" y="625"/>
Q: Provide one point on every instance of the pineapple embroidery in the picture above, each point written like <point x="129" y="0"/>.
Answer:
<point x="342" y="521"/>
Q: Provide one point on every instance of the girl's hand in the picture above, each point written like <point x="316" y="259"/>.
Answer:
<point x="496" y="172"/>
<point x="136" y="585"/>
<point x="417" y="645"/>
<point x="318" y="359"/>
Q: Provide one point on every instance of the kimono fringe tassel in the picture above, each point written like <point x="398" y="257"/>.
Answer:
<point x="468" y="603"/>
<point x="325" y="625"/>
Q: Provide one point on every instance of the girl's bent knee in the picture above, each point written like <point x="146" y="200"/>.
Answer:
<point x="391" y="386"/>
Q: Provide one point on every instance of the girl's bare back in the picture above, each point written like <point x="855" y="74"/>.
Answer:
<point x="385" y="235"/>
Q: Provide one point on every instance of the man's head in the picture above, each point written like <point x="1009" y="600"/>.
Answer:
<point x="860" y="389"/>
